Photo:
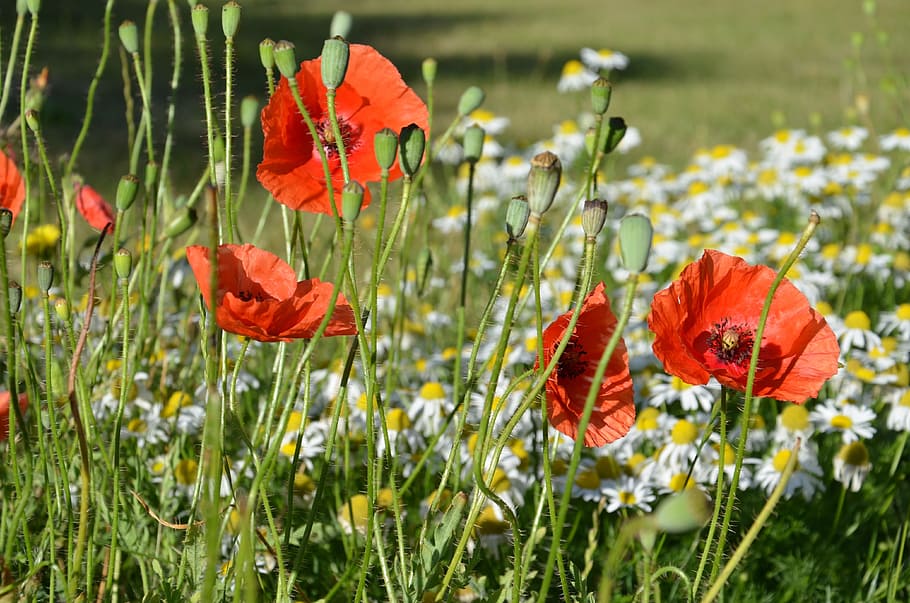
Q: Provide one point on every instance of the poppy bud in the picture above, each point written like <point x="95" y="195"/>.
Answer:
<point x="470" y="100"/>
<point x="129" y="36"/>
<point x="683" y="511"/>
<point x="200" y="18"/>
<point x="341" y="24"/>
<point x="412" y="141"/>
<point x="517" y="215"/>
<point x="335" y="54"/>
<point x="473" y="143"/>
<point x="267" y="53"/>
<point x="151" y="168"/>
<point x="45" y="276"/>
<point x="616" y="129"/>
<point x="428" y="70"/>
<point x="184" y="220"/>
<point x="593" y="217"/>
<point x="123" y="263"/>
<point x="230" y="19"/>
<point x="126" y="192"/>
<point x="31" y="119"/>
<point x="6" y="221"/>
<point x="285" y="59"/>
<point x="62" y="310"/>
<point x="351" y="200"/>
<point x="543" y="180"/>
<point x="249" y="111"/>
<point x="591" y="142"/>
<point x="601" y="91"/>
<point x="15" y="297"/>
<point x="424" y="264"/>
<point x="21" y="7"/>
<point x="635" y="233"/>
<point x="385" y="145"/>
<point x="34" y="6"/>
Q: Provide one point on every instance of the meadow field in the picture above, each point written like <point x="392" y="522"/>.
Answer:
<point x="516" y="301"/>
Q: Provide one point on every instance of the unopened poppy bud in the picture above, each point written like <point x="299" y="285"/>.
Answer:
<point x="129" y="36"/>
<point x="424" y="266"/>
<point x="428" y="70"/>
<point x="31" y="119"/>
<point x="601" y="91"/>
<point x="151" y="169"/>
<point x="249" y="111"/>
<point x="45" y="276"/>
<point x="385" y="145"/>
<point x="351" y="201"/>
<point x="15" y="297"/>
<point x="517" y="214"/>
<point x="230" y="19"/>
<point x="267" y="53"/>
<point x="334" y="65"/>
<point x="412" y="141"/>
<point x="34" y="6"/>
<point x="183" y="221"/>
<point x="635" y="234"/>
<point x="473" y="143"/>
<point x="616" y="129"/>
<point x="62" y="310"/>
<point x="341" y="24"/>
<point x="543" y="180"/>
<point x="6" y="221"/>
<point x="200" y="19"/>
<point x="593" y="217"/>
<point x="683" y="511"/>
<point x="21" y="7"/>
<point x="470" y="100"/>
<point x="126" y="192"/>
<point x="123" y="263"/>
<point x="285" y="59"/>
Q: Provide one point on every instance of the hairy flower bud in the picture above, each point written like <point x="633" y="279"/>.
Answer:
<point x="285" y="59"/>
<point x="470" y="100"/>
<point x="412" y="141"/>
<point x="334" y="64"/>
<point x="543" y="180"/>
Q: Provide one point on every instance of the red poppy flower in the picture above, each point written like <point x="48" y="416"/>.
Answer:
<point x="5" y="410"/>
<point x="92" y="206"/>
<point x="568" y="385"/>
<point x="704" y="325"/>
<point x="259" y="296"/>
<point x="372" y="97"/>
<point x="12" y="188"/>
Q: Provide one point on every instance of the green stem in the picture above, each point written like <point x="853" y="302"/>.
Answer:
<point x="228" y="137"/>
<point x="718" y="493"/>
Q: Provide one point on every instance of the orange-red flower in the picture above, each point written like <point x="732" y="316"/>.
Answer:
<point x="92" y="206"/>
<point x="705" y="322"/>
<point x="568" y="384"/>
<point x="12" y="188"/>
<point x="259" y="296"/>
<point x="5" y="410"/>
<point x="372" y="97"/>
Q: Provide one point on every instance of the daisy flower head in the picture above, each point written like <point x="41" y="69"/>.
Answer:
<point x="575" y="76"/>
<point x="805" y="479"/>
<point x="629" y="493"/>
<point x="793" y="423"/>
<point x="851" y="465"/>
<point x="899" y="415"/>
<point x="858" y="333"/>
<point x="848" y="138"/>
<point x="896" y="321"/>
<point x="852" y="421"/>
<point x="898" y="140"/>
<point x="604" y="59"/>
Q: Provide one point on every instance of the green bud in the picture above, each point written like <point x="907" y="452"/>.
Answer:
<point x="182" y="222"/>
<point x="616" y="129"/>
<point x="334" y="64"/>
<point x="385" y="145"/>
<point x="15" y="297"/>
<point x="34" y="6"/>
<point x="267" y="53"/>
<point x="62" y="310"/>
<point x="123" y="263"/>
<point x="129" y="37"/>
<point x="601" y="91"/>
<point x="341" y="24"/>
<point x="351" y="201"/>
<point x="151" y="171"/>
<point x="32" y="120"/>
<point x="45" y="276"/>
<point x="21" y="7"/>
<point x="543" y="180"/>
<point x="517" y="214"/>
<point x="230" y="19"/>
<point x="428" y="69"/>
<point x="593" y="217"/>
<point x="285" y="59"/>
<point x="635" y="234"/>
<point x="591" y="145"/>
<point x="6" y="221"/>
<point x="249" y="111"/>
<point x="683" y="511"/>
<point x="200" y="18"/>
<point x="424" y="266"/>
<point x="470" y="100"/>
<point x="412" y="141"/>
<point x="473" y="143"/>
<point x="192" y="3"/>
<point x="126" y="192"/>
<point x="648" y="536"/>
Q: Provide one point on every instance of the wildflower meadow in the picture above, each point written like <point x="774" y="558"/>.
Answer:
<point x="370" y="350"/>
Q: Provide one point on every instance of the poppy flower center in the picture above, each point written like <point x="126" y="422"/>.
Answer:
<point x="731" y="343"/>
<point x="328" y="139"/>
<point x="572" y="362"/>
<point x="247" y="295"/>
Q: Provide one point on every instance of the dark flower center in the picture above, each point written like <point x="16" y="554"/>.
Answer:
<point x="572" y="362"/>
<point x="247" y="296"/>
<point x="731" y="343"/>
<point x="327" y="136"/>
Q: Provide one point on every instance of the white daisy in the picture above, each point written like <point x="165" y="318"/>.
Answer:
<point x="628" y="493"/>
<point x="604" y="59"/>
<point x="805" y="479"/>
<point x="575" y="76"/>
<point x="852" y="421"/>
<point x="851" y="465"/>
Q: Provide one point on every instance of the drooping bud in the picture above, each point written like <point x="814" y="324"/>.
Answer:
<point x="267" y="53"/>
<point x="683" y="511"/>
<point x="517" y="214"/>
<point x="351" y="201"/>
<point x="285" y="59"/>
<point x="15" y="297"/>
<point x="543" y="180"/>
<point x="593" y="217"/>
<point x="601" y="91"/>
<point x="6" y="221"/>
<point x="45" y="276"/>
<point x="230" y="19"/>
<point x="249" y="111"/>
<point x="126" y="192"/>
<point x="635" y="234"/>
<point x="385" y="145"/>
<point x="473" y="143"/>
<point x="412" y="141"/>
<point x="32" y="121"/>
<point x="424" y="265"/>
<point x="334" y="64"/>
<point x="129" y="37"/>
<point x="341" y="24"/>
<point x="428" y="70"/>
<point x="470" y="100"/>
<point x="62" y="310"/>
<point x="123" y="263"/>
<point x="182" y="222"/>
<point x="200" y="18"/>
<point x="616" y="129"/>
